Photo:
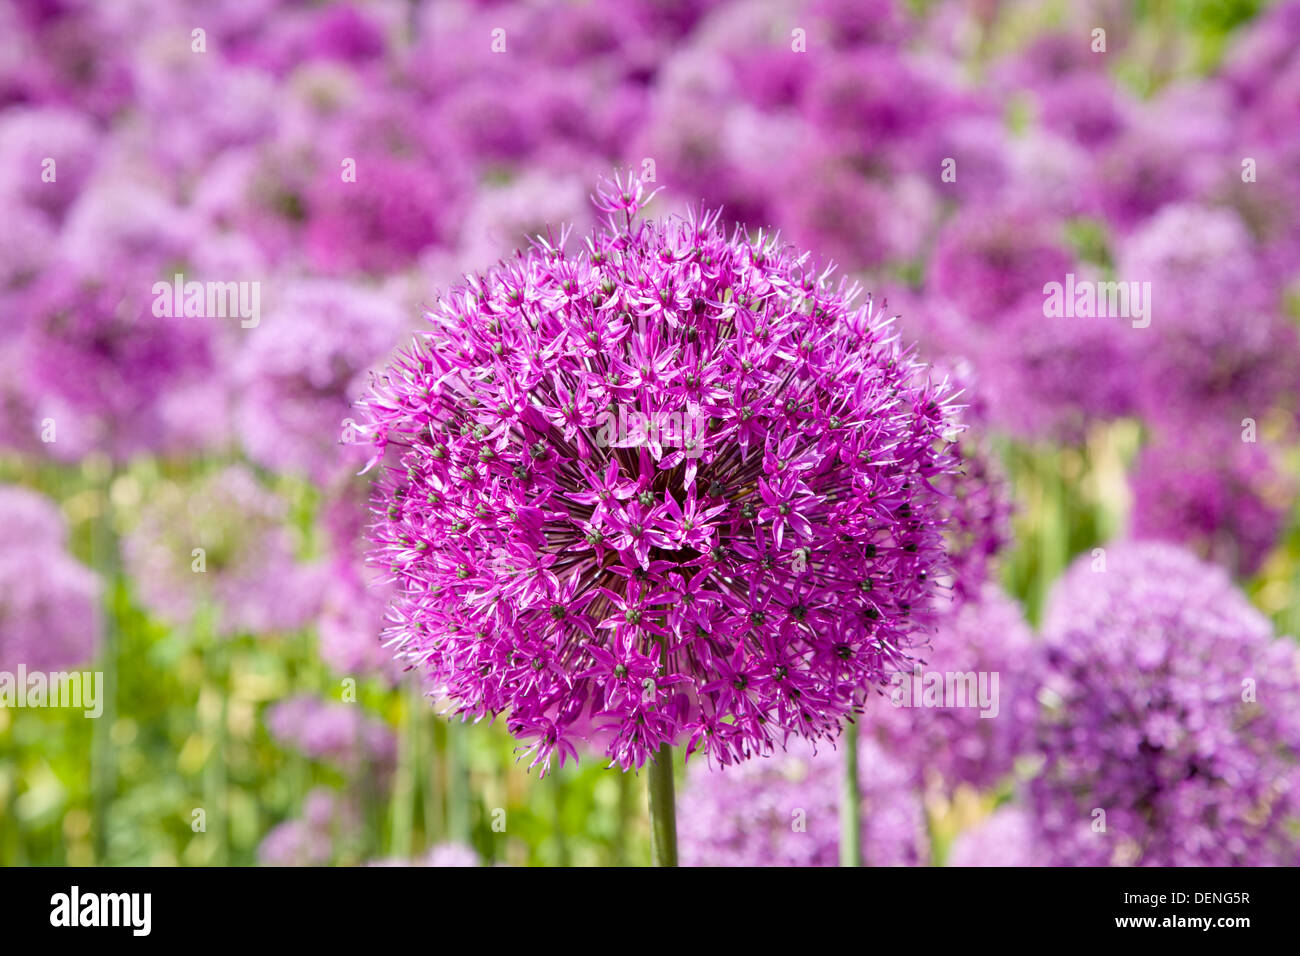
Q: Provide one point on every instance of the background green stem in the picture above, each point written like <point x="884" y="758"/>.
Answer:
<point x="457" y="781"/>
<point x="103" y="772"/>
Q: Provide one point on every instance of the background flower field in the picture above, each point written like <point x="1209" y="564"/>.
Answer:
<point x="181" y="507"/>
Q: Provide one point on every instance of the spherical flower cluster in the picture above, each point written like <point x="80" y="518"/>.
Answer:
<point x="962" y="714"/>
<point x="675" y="488"/>
<point x="221" y="547"/>
<point x="333" y="731"/>
<point x="98" y="366"/>
<point x="49" y="602"/>
<point x="302" y="364"/>
<point x="979" y="519"/>
<point x="1213" y="493"/>
<point x="1218" y="344"/>
<point x="989" y="261"/>
<point x="784" y="811"/>
<point x="1170" y="719"/>
<point x="977" y="494"/>
<point x="351" y="617"/>
<point x="310" y="839"/>
<point x="1004" y="838"/>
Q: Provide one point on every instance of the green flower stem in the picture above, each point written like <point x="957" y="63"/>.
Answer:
<point x="663" y="797"/>
<point x="663" y="808"/>
<point x="850" y="801"/>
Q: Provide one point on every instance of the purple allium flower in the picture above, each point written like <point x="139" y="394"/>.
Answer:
<point x="1151" y="165"/>
<point x="49" y="602"/>
<point x="1086" y="108"/>
<point x="983" y="146"/>
<point x="737" y="574"/>
<point x="1264" y="51"/>
<point x="96" y="362"/>
<point x="1219" y="346"/>
<point x="1056" y="376"/>
<point x="856" y="222"/>
<point x="310" y="839"/>
<point x="71" y="54"/>
<point x="505" y="219"/>
<point x="979" y="505"/>
<point x="989" y="260"/>
<point x="452" y="854"/>
<point x="962" y="713"/>
<point x="1048" y="59"/>
<point x="352" y="614"/>
<point x="784" y="811"/>
<point x="382" y="221"/>
<point x="1206" y="489"/>
<point x="1167" y="705"/>
<point x="302" y="363"/>
<point x="196" y="107"/>
<point x="702" y="140"/>
<point x="979" y="519"/>
<point x="355" y="598"/>
<point x="337" y="732"/>
<point x="294" y="843"/>
<point x="28" y="137"/>
<point x="1004" y="838"/>
<point x="250" y="578"/>
<point x="1039" y="376"/>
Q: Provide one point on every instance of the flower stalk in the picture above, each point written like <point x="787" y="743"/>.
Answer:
<point x="850" y="801"/>
<point x="663" y="808"/>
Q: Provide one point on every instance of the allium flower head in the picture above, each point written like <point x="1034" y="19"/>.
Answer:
<point x="1168" y="705"/>
<point x="956" y="731"/>
<point x="1208" y="490"/>
<point x="673" y="488"/>
<point x="49" y="602"/>
<point x="784" y="811"/>
<point x="247" y="574"/>
<point x="329" y="730"/>
<point x="310" y="840"/>
<point x="1219" y="344"/>
<point x="989" y="260"/>
<point x="302" y="363"/>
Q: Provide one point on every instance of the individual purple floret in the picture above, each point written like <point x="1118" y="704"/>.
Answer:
<point x="673" y="488"/>
<point x="784" y="811"/>
<point x="1170" y="718"/>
